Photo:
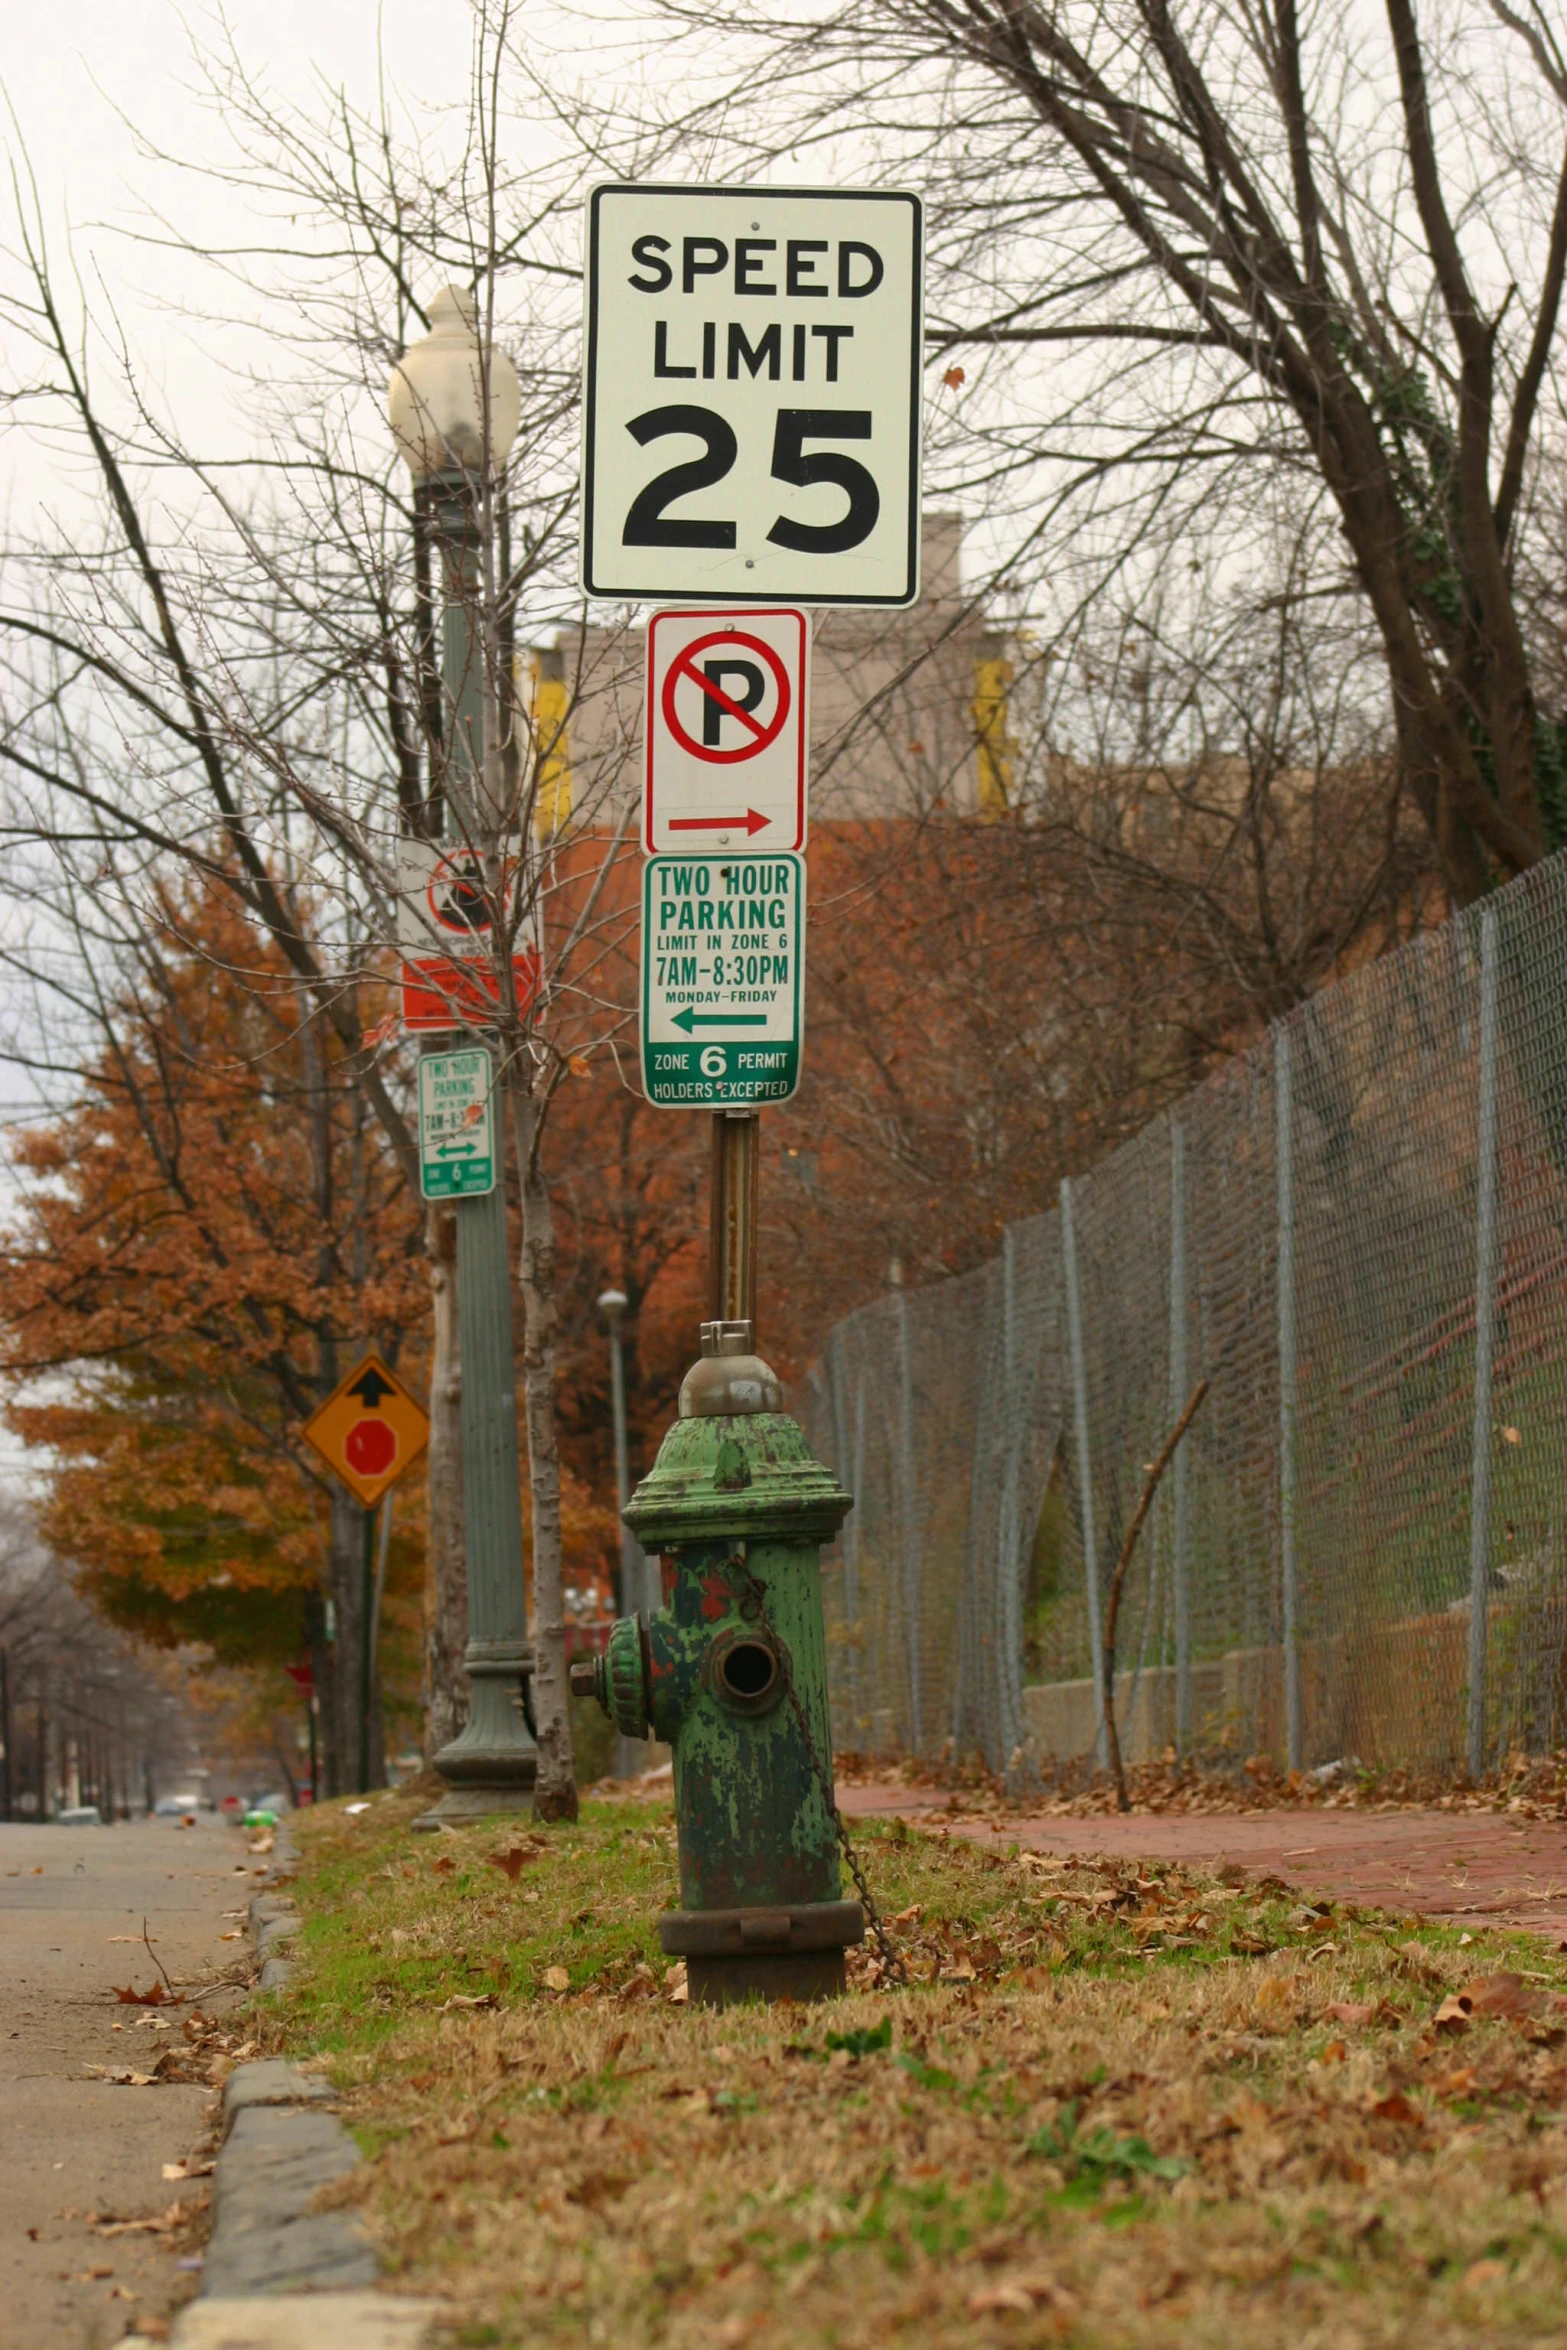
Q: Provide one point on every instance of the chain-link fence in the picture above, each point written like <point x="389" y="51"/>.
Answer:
<point x="1357" y="1232"/>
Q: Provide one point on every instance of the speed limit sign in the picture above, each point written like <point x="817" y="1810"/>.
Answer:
<point x="752" y="395"/>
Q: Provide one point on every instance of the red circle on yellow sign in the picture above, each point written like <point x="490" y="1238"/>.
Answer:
<point x="370" y="1447"/>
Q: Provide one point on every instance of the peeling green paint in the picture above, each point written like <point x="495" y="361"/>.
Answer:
<point x="729" y="1501"/>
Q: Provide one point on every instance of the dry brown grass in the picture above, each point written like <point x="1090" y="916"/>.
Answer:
<point x="1117" y="2108"/>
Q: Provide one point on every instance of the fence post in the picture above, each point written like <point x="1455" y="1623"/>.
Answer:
<point x="1284" y="1107"/>
<point x="848" y="1545"/>
<point x="1485" y="1332"/>
<point x="1085" y="1466"/>
<point x="1180" y="1388"/>
<point x="1009" y="1533"/>
<point x="910" y="1525"/>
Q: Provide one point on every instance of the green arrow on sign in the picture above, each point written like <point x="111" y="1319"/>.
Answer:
<point x="689" y="1020"/>
<point x="462" y="1150"/>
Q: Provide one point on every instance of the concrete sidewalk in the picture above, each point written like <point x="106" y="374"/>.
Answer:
<point x="1475" y="1868"/>
<point x="72" y="1901"/>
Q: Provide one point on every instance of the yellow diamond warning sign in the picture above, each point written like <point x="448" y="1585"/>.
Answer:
<point x="369" y="1430"/>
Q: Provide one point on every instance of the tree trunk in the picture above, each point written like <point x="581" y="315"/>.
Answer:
<point x="555" y="1794"/>
<point x="446" y="1561"/>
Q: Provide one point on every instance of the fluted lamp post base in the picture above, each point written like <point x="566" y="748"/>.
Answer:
<point x="491" y="1766"/>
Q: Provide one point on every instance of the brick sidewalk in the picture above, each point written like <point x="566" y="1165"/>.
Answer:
<point x="1468" y="1868"/>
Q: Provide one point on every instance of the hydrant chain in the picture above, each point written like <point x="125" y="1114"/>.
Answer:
<point x="752" y="1603"/>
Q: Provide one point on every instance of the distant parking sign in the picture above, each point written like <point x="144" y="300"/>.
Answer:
<point x="752" y="395"/>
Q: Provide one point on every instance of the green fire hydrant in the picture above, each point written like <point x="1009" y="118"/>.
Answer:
<point x="732" y="1672"/>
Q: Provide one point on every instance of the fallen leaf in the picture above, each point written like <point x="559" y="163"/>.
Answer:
<point x="1509" y="1994"/>
<point x="1456" y="2083"/>
<point x="1021" y="2294"/>
<point x="513" y="1862"/>
<point x="676" y="1987"/>
<point x="444" y="1866"/>
<point x="236" y="1936"/>
<point x="191" y="2168"/>
<point x="1485" y="2272"/>
<point x="1275" y="2001"/>
<point x="153" y="1998"/>
<point x="163" y="2225"/>
<point x="1348" y="2011"/>
<point x="470" y="1999"/>
<point x="1396" y="2108"/>
<point x="555" y="1978"/>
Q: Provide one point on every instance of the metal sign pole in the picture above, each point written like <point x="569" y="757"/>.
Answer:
<point x="367" y="1585"/>
<point x="731" y="1259"/>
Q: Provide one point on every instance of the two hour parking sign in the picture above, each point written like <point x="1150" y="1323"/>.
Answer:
<point x="752" y="395"/>
<point x="726" y="731"/>
<point x="723" y="947"/>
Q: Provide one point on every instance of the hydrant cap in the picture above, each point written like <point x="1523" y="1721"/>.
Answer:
<point x="750" y="1475"/>
<point x="722" y="1385"/>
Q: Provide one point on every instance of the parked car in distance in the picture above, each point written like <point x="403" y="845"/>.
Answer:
<point x="174" y="1807"/>
<point x="79" y="1815"/>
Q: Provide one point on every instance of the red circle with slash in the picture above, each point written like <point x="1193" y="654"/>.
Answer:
<point x="685" y="666"/>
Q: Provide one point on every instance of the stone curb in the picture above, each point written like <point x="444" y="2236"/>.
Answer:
<point x="278" y="2274"/>
<point x="307" y="2321"/>
<point x="273" y="1917"/>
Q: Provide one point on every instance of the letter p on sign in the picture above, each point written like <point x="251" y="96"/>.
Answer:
<point x="728" y="697"/>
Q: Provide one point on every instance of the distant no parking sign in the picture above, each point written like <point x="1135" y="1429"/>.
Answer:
<point x="726" y="730"/>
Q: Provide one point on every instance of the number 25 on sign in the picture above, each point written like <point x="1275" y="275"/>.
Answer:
<point x="751" y="408"/>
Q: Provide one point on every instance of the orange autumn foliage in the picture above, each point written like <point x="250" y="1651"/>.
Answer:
<point x="211" y="1229"/>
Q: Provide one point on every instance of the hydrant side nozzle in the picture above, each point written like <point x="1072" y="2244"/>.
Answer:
<point x="583" y="1676"/>
<point x="623" y="1681"/>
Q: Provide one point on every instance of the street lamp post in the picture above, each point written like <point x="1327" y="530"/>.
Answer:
<point x="630" y="1753"/>
<point x="454" y="412"/>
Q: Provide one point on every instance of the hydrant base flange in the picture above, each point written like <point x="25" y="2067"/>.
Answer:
<point x="771" y="1975"/>
<point x="755" y="1932"/>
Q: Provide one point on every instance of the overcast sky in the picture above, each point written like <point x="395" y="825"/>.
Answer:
<point x="66" y="71"/>
<point x="69" y="74"/>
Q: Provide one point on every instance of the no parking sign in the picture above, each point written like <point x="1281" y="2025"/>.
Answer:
<point x="726" y="732"/>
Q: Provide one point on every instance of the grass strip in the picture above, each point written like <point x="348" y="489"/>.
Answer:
<point x="1121" y="2104"/>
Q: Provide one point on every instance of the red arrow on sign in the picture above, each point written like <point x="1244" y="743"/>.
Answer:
<point x="749" y="822"/>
